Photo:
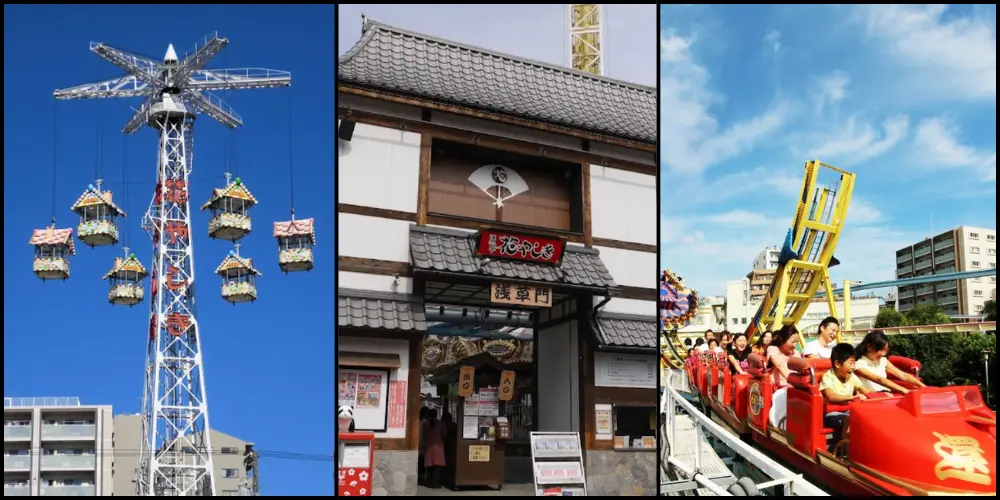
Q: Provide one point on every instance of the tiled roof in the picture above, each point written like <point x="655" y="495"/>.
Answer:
<point x="435" y="249"/>
<point x="381" y="311"/>
<point x="233" y="261"/>
<point x="621" y="330"/>
<point x="93" y="196"/>
<point x="235" y="189"/>
<point x="53" y="236"/>
<point x="402" y="62"/>
<point x="301" y="227"/>
<point x="131" y="263"/>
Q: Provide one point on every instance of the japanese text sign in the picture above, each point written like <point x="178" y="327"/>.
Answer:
<point x="466" y="381"/>
<point x="528" y="248"/>
<point x="515" y="294"/>
<point x="506" y="385"/>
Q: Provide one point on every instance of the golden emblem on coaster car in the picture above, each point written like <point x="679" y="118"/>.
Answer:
<point x="962" y="459"/>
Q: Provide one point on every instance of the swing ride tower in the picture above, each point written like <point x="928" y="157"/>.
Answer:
<point x="176" y="454"/>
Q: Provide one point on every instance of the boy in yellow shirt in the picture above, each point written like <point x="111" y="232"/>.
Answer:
<point x="840" y="386"/>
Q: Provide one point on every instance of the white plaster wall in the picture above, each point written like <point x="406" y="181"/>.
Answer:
<point x="383" y="346"/>
<point x="623" y="205"/>
<point x="558" y="381"/>
<point x="380" y="168"/>
<point x="373" y="238"/>
<point x="373" y="282"/>
<point x="631" y="268"/>
<point x="628" y="306"/>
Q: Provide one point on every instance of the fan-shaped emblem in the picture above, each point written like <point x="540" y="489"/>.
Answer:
<point x="500" y="183"/>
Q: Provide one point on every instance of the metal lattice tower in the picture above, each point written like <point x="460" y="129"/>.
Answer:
<point x="176" y="455"/>
<point x="586" y="38"/>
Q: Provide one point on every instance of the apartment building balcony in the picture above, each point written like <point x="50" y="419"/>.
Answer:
<point x="920" y="266"/>
<point x="948" y="301"/>
<point x="944" y="245"/>
<point x="907" y="269"/>
<point x="70" y="432"/>
<point x="945" y="258"/>
<point x="947" y="286"/>
<point x="16" y="491"/>
<point x="13" y="463"/>
<point x="922" y="252"/>
<point x="68" y="462"/>
<point x="17" y="433"/>
<point x="925" y="290"/>
<point x="68" y="491"/>
<point x="904" y="259"/>
<point x="907" y="294"/>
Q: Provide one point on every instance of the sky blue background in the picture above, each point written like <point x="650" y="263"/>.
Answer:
<point x="269" y="365"/>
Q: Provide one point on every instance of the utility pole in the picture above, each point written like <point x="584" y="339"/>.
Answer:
<point x="251" y="485"/>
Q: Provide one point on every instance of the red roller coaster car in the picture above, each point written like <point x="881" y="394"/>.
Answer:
<point x="930" y="442"/>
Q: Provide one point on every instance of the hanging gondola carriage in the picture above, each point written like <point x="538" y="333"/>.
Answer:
<point x="98" y="217"/>
<point x="296" y="239"/>
<point x="239" y="279"/>
<point x="126" y="281"/>
<point x="230" y="211"/>
<point x="53" y="247"/>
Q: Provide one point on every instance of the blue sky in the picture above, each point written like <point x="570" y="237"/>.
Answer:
<point x="903" y="96"/>
<point x="269" y="366"/>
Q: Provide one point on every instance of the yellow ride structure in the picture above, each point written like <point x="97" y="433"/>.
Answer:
<point x="808" y="251"/>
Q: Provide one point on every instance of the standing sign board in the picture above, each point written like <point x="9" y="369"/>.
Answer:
<point x="557" y="464"/>
<point x="355" y="463"/>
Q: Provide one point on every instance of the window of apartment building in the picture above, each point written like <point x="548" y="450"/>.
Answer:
<point x="976" y="264"/>
<point x="744" y="321"/>
<point x="993" y="279"/>
<point x="977" y="293"/>
<point x="17" y="423"/>
<point x="991" y="251"/>
<point x="472" y="182"/>
<point x="991" y="237"/>
<point x="974" y="249"/>
<point x="230" y="473"/>
<point x="980" y="308"/>
<point x="974" y="236"/>
<point x="230" y="451"/>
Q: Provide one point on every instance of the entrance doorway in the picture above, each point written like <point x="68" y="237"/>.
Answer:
<point x="486" y="438"/>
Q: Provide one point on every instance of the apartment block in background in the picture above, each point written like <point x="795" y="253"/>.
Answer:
<point x="56" y="447"/>
<point x="230" y="473"/>
<point x="958" y="250"/>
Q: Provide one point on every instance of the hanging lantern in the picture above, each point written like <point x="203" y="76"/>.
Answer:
<point x="53" y="247"/>
<point x="238" y="279"/>
<point x="230" y="211"/>
<point x="296" y="239"/>
<point x="126" y="281"/>
<point x="98" y="214"/>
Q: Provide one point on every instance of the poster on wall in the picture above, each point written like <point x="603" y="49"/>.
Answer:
<point x="368" y="392"/>
<point x="605" y="432"/>
<point x="347" y="388"/>
<point x="397" y="404"/>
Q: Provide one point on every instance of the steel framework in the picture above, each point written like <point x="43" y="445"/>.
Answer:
<point x="586" y="38"/>
<point x="176" y="455"/>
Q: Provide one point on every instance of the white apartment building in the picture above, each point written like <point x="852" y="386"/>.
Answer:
<point x="767" y="259"/>
<point x="957" y="250"/>
<point x="56" y="447"/>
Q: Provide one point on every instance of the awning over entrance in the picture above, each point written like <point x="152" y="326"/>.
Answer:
<point x="380" y="311"/>
<point x="453" y="251"/>
<point x="622" y="330"/>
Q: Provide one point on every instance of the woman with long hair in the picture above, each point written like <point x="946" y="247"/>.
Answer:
<point x="873" y="366"/>
<point x="434" y="457"/>
<point x="763" y="341"/>
<point x="739" y="354"/>
<point x="781" y="350"/>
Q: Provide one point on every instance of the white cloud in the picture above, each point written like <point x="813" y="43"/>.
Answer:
<point x="938" y="146"/>
<point x="691" y="139"/>
<point x="860" y="142"/>
<point x="957" y="55"/>
<point x="830" y="90"/>
<point x="772" y="42"/>
<point x="862" y="213"/>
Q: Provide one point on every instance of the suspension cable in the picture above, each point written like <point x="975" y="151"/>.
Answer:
<point x="291" y="163"/>
<point x="125" y="188"/>
<point x="55" y="161"/>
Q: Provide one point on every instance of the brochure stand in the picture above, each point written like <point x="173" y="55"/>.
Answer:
<point x="557" y="464"/>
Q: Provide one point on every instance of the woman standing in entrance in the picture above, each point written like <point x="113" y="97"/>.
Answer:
<point x="434" y="459"/>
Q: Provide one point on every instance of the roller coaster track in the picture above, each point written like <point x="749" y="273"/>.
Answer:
<point x="808" y="251"/>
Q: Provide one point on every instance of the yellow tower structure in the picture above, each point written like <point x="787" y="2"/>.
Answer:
<point x="586" y="38"/>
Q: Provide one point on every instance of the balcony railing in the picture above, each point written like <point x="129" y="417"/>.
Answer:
<point x="16" y="462"/>
<point x="16" y="491"/>
<point x="68" y="431"/>
<point x="16" y="432"/>
<point x="86" y="462"/>
<point x="68" y="491"/>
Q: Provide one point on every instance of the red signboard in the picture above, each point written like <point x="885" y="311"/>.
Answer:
<point x="397" y="404"/>
<point x="529" y="248"/>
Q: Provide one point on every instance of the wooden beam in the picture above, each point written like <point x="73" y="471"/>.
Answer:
<point x="374" y="266"/>
<point x="588" y="225"/>
<point x="424" y="181"/>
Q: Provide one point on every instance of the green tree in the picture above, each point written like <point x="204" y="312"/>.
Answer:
<point x="889" y="318"/>
<point x="924" y="315"/>
<point x="990" y="310"/>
